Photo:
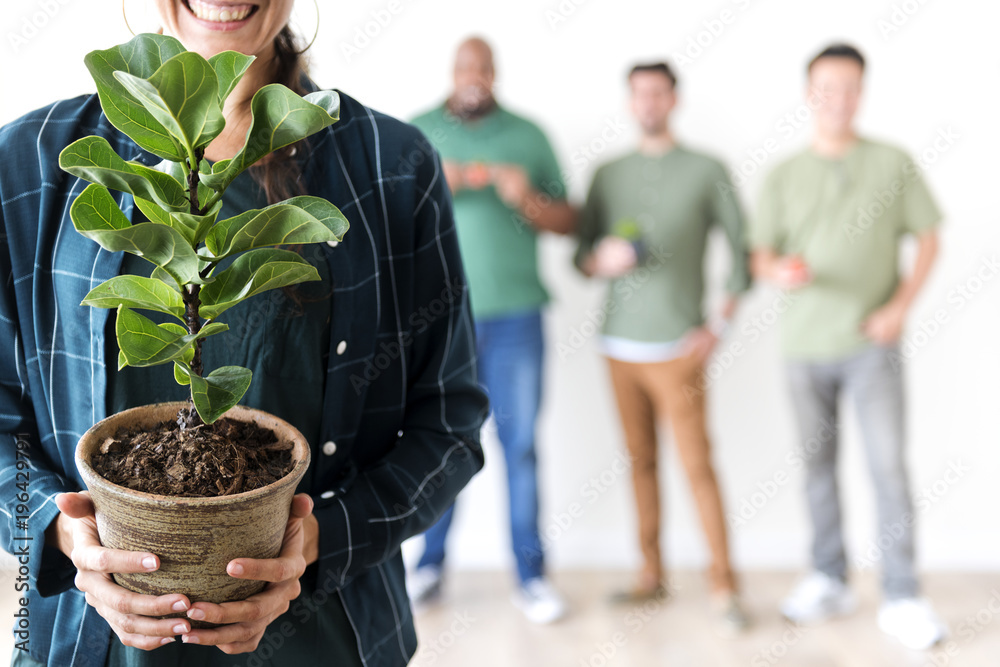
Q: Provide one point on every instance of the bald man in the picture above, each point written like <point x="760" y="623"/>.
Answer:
<point x="507" y="188"/>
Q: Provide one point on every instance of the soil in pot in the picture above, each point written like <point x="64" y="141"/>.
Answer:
<point x="207" y="460"/>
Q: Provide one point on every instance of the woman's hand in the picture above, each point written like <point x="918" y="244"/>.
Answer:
<point x="128" y="613"/>
<point x="250" y="618"/>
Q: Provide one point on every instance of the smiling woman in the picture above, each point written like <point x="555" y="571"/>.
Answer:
<point x="336" y="591"/>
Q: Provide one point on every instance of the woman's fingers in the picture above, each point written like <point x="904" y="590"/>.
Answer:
<point x="247" y="619"/>
<point x="75" y="505"/>
<point x="105" y="592"/>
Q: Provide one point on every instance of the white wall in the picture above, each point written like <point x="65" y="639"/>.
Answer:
<point x="936" y="72"/>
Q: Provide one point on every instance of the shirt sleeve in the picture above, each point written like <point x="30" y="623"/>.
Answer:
<point x="592" y="223"/>
<point x="766" y="227"/>
<point x="920" y="212"/>
<point x="405" y="492"/>
<point x="27" y="480"/>
<point x="727" y="213"/>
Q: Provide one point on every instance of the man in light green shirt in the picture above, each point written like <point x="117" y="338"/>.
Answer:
<point x="507" y="188"/>
<point x="645" y="227"/>
<point x="828" y="229"/>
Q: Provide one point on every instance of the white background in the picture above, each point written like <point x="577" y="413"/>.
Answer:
<point x="936" y="72"/>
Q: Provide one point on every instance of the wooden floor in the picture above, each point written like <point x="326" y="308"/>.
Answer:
<point x="476" y="626"/>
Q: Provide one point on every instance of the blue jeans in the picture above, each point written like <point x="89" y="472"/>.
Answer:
<point x="509" y="354"/>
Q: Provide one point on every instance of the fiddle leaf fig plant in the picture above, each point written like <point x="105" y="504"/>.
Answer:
<point x="169" y="101"/>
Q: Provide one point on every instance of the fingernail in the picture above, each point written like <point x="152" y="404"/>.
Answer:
<point x="166" y="640"/>
<point x="180" y="628"/>
<point x="196" y="614"/>
<point x="180" y="605"/>
<point x="189" y="639"/>
<point x="149" y="563"/>
<point x="236" y="569"/>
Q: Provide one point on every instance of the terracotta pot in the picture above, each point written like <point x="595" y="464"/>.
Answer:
<point x="195" y="538"/>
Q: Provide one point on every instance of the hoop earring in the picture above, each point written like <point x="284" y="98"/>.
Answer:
<point x="315" y="34"/>
<point x="126" y="19"/>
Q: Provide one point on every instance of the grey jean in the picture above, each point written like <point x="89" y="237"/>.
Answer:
<point x="872" y="381"/>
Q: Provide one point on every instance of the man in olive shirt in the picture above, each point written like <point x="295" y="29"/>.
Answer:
<point x="507" y="187"/>
<point x="828" y="227"/>
<point x="645" y="226"/>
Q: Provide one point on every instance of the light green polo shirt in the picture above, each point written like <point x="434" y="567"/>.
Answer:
<point x="669" y="203"/>
<point x="499" y="248"/>
<point x="845" y="217"/>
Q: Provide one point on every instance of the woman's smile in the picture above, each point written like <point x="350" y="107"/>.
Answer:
<point x="217" y="15"/>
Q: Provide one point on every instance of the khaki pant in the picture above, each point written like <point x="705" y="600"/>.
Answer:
<point x="650" y="392"/>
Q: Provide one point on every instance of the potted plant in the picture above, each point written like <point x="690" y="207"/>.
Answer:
<point x="143" y="466"/>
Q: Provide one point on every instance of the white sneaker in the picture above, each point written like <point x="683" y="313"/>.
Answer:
<point x="817" y="598"/>
<point x="423" y="585"/>
<point x="539" y="601"/>
<point x="913" y="622"/>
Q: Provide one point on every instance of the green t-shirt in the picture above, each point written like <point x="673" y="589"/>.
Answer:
<point x="845" y="217"/>
<point x="668" y="203"/>
<point x="499" y="248"/>
<point x="285" y="344"/>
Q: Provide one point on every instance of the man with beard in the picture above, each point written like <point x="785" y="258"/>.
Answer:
<point x="506" y="187"/>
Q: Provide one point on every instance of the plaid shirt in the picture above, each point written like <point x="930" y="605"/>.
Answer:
<point x="402" y="407"/>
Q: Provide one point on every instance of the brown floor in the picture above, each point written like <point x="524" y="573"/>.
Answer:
<point x="476" y="626"/>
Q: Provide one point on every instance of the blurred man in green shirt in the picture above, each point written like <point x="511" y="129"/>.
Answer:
<point x="507" y="188"/>
<point x="828" y="227"/>
<point x="645" y="227"/>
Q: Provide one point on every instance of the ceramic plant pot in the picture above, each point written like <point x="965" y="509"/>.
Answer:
<point x="195" y="538"/>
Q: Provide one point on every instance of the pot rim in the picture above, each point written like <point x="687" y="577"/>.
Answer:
<point x="300" y="448"/>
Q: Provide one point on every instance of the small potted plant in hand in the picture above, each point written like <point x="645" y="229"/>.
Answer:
<point x="203" y="481"/>
<point x="630" y="230"/>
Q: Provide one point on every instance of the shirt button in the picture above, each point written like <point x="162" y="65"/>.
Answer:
<point x="332" y="244"/>
<point x="329" y="447"/>
<point x="341" y="347"/>
<point x="326" y="495"/>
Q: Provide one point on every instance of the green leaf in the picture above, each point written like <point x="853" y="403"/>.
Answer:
<point x="93" y="159"/>
<point x="136" y="292"/>
<point x="221" y="390"/>
<point x="252" y="273"/>
<point x="96" y="215"/>
<point x="141" y="56"/>
<point x="195" y="227"/>
<point x="145" y="343"/>
<point x="295" y="220"/>
<point x="152" y="211"/>
<point x="183" y="95"/>
<point x="280" y="118"/>
<point x="229" y="66"/>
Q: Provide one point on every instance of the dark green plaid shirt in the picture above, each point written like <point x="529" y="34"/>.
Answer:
<point x="401" y="407"/>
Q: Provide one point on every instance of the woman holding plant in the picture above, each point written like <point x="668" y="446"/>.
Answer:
<point x="387" y="397"/>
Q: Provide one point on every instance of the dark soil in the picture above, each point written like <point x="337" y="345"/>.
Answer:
<point x="217" y="459"/>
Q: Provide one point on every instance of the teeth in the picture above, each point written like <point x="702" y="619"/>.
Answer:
<point x="214" y="14"/>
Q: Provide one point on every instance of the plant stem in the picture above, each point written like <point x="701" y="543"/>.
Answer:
<point x="189" y="294"/>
